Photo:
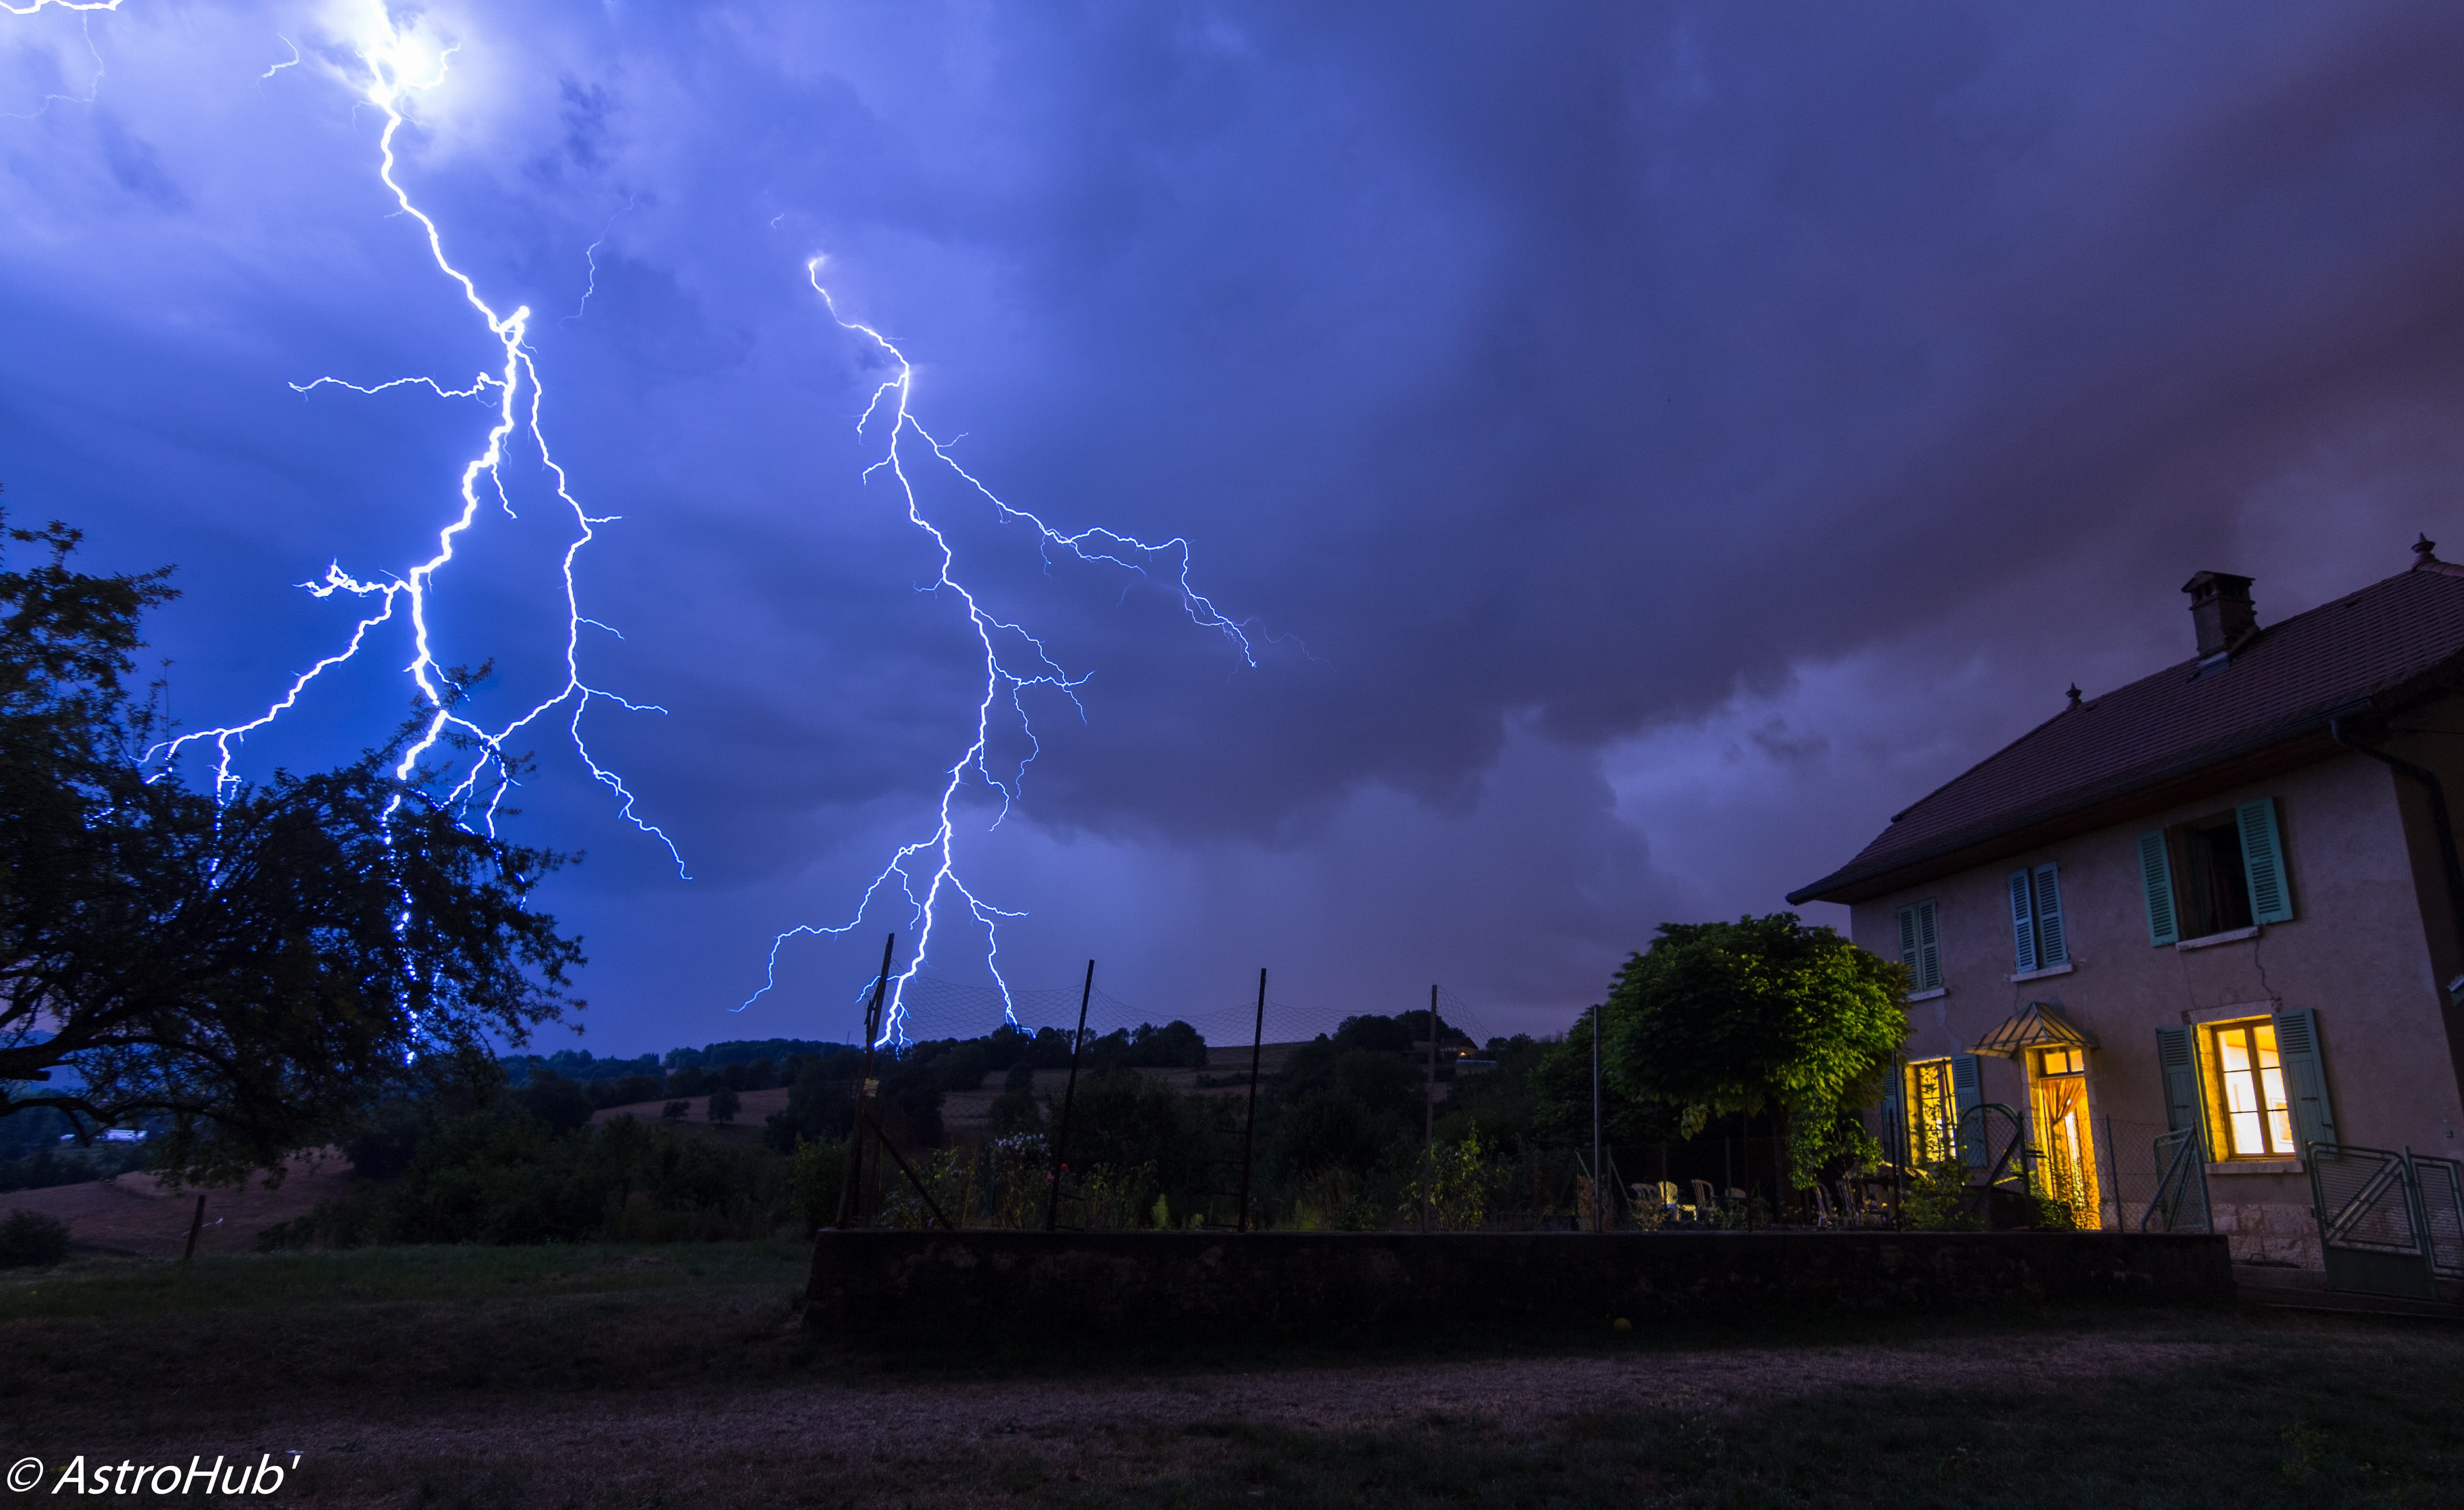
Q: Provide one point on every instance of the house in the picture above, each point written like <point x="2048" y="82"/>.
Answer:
<point x="2218" y="911"/>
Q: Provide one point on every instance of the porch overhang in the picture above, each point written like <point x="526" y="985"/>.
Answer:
<point x="2040" y="1025"/>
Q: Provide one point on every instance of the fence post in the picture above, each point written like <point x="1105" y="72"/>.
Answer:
<point x="851" y="1190"/>
<point x="1429" y="1117"/>
<point x="1068" y="1096"/>
<point x="1249" y="1128"/>
<point x="1597" y="1224"/>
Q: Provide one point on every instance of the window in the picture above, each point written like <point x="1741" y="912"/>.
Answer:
<point x="1920" y="947"/>
<point x="2037" y="919"/>
<point x="2214" y="874"/>
<point x="2251" y="1107"/>
<point x="1933" y="1113"/>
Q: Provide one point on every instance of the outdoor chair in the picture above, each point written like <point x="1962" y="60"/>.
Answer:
<point x="1706" y="1205"/>
<point x="1824" y="1215"/>
<point x="1853" y="1209"/>
<point x="1665" y="1191"/>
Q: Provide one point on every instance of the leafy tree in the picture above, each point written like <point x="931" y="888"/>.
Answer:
<point x="251" y="969"/>
<point x="724" y="1104"/>
<point x="1763" y="1013"/>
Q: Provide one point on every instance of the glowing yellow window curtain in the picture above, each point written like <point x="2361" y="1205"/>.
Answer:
<point x="2256" y="1114"/>
<point x="2064" y="1137"/>
<point x="1933" y="1113"/>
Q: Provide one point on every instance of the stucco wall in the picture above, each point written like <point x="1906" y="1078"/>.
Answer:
<point x="2356" y="951"/>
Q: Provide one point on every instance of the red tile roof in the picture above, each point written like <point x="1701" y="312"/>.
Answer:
<point x="2371" y="647"/>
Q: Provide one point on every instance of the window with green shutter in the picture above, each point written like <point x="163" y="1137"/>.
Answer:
<point x="1967" y="1091"/>
<point x="2263" y="863"/>
<point x="1921" y="947"/>
<point x="2177" y="1060"/>
<point x="2038" y="939"/>
<point x="2215" y="874"/>
<point x="2156" y="880"/>
<point x="2305" y="1074"/>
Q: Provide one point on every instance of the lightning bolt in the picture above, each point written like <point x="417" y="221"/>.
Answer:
<point x="398" y="65"/>
<point x="85" y="25"/>
<point x="1007" y="678"/>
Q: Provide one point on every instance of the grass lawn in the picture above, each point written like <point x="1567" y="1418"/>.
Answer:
<point x="678" y="1376"/>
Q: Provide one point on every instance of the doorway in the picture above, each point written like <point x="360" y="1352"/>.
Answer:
<point x="2057" y="1092"/>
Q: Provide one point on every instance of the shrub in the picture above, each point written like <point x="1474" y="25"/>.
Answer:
<point x="31" y="1239"/>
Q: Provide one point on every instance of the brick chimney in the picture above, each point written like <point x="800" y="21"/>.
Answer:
<point x="2221" y="611"/>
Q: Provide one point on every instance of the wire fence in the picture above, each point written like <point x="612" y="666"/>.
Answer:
<point x="934" y="1008"/>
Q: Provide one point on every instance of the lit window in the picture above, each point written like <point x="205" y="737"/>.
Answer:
<point x="2250" y="1081"/>
<point x="1933" y="1113"/>
<point x="2061" y="1062"/>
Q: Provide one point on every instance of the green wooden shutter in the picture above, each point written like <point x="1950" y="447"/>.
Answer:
<point x="2305" y="1078"/>
<point x="2023" y="924"/>
<point x="1928" y="948"/>
<point x="2263" y="862"/>
<point x="2156" y="875"/>
<point x="2052" y="948"/>
<point x="1908" y="948"/>
<point x="1966" y="1094"/>
<point x="2177" y="1056"/>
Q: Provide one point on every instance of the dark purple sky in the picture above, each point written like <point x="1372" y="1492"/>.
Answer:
<point x="1650" y="444"/>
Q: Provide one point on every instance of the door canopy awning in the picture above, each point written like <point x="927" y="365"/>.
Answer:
<point x="2042" y="1026"/>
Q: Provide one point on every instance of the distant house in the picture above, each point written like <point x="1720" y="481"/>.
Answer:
<point x="2222" y="900"/>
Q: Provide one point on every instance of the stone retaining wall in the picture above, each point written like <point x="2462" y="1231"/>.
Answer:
<point x="883" y="1285"/>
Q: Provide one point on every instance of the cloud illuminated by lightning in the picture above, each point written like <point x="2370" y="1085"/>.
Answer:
<point x="400" y="62"/>
<point x="1014" y="661"/>
<point x="85" y="25"/>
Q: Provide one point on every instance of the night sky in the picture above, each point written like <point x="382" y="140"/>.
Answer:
<point x="1647" y="445"/>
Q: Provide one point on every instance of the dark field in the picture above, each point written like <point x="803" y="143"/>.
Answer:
<point x="678" y="1376"/>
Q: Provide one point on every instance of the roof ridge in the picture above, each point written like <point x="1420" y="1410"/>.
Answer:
<point x="2175" y="719"/>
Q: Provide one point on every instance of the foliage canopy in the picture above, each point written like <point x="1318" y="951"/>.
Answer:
<point x="1760" y="1013"/>
<point x="248" y="965"/>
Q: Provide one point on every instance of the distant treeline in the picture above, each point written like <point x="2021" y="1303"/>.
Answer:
<point x="567" y="1086"/>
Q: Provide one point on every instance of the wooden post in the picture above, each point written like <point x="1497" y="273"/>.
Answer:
<point x="1598" y="1174"/>
<point x="1746" y="1148"/>
<point x="1068" y="1095"/>
<point x="196" y="1228"/>
<point x="1429" y="1120"/>
<point x="1779" y="1166"/>
<point x="851" y="1192"/>
<point x="1249" y="1129"/>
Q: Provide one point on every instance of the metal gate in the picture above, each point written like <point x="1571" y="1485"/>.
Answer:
<point x="2391" y="1222"/>
<point x="2180" y="1204"/>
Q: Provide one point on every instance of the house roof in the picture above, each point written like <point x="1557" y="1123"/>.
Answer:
<point x="2366" y="652"/>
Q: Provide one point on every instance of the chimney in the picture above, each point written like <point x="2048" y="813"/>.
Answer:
<point x="2221" y="611"/>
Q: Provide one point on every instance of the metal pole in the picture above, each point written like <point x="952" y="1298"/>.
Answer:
<point x="1745" y="1148"/>
<point x="1779" y="1166"/>
<point x="1068" y="1095"/>
<point x="1597" y="1173"/>
<point x="1429" y="1115"/>
<point x="1249" y="1128"/>
<point x="196" y="1228"/>
<point x="851" y="1191"/>
<point x="1900" y="1166"/>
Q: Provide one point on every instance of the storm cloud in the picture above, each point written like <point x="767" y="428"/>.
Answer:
<point x="1648" y="445"/>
